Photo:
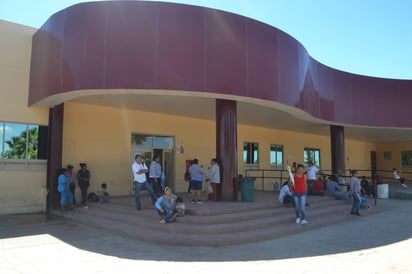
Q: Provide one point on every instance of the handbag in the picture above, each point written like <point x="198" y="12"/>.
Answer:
<point x="209" y="187"/>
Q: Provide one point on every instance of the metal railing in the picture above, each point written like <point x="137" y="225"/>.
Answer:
<point x="267" y="178"/>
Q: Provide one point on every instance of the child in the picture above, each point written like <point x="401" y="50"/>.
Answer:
<point x="102" y="194"/>
<point x="180" y="207"/>
<point x="166" y="206"/>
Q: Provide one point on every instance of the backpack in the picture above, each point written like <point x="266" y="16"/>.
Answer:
<point x="92" y="197"/>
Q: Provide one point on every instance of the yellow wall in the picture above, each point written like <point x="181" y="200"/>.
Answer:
<point x="21" y="189"/>
<point x="395" y="162"/>
<point x="101" y="137"/>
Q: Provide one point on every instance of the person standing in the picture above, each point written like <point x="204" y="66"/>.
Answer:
<point x="154" y="175"/>
<point x="83" y="177"/>
<point x="213" y="176"/>
<point x="299" y="193"/>
<point x="355" y="188"/>
<point x="196" y="179"/>
<point x="63" y="186"/>
<point x="140" y="169"/>
<point x="311" y="172"/>
<point x="73" y="181"/>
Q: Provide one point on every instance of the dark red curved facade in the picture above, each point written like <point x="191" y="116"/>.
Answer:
<point x="154" y="45"/>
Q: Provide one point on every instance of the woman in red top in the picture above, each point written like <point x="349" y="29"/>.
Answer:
<point x="299" y="193"/>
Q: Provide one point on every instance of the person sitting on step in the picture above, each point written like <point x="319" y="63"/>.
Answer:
<point x="396" y="175"/>
<point x="166" y="206"/>
<point x="285" y="195"/>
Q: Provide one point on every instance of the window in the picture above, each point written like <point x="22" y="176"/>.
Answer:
<point x="311" y="154"/>
<point x="387" y="155"/>
<point x="22" y="141"/>
<point x="152" y="141"/>
<point x="406" y="158"/>
<point x="276" y="155"/>
<point x="250" y="153"/>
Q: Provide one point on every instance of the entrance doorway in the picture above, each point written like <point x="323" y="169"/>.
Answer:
<point x="166" y="161"/>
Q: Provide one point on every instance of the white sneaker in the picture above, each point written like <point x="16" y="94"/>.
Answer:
<point x="304" y="222"/>
<point x="298" y="220"/>
<point x="404" y="185"/>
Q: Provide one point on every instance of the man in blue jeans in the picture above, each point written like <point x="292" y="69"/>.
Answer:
<point x="355" y="187"/>
<point x="140" y="180"/>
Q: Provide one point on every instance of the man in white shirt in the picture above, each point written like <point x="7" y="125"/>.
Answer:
<point x="140" y="169"/>
<point x="311" y="172"/>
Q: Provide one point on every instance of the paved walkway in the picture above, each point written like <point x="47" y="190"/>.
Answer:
<point x="380" y="243"/>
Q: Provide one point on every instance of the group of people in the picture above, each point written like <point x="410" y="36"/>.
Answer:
<point x="195" y="175"/>
<point x="168" y="205"/>
<point x="294" y="191"/>
<point x="67" y="182"/>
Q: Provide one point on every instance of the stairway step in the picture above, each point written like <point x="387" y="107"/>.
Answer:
<point x="212" y="224"/>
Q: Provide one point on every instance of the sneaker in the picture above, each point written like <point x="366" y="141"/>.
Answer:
<point x="199" y="202"/>
<point x="404" y="185"/>
<point x="304" y="222"/>
<point x="162" y="221"/>
<point x="298" y="220"/>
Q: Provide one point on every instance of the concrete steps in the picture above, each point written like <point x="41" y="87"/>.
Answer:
<point x="217" y="223"/>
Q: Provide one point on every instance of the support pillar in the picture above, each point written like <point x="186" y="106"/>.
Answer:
<point x="337" y="144"/>
<point x="226" y="148"/>
<point x="54" y="158"/>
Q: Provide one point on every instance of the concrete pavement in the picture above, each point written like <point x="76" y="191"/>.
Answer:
<point x="379" y="243"/>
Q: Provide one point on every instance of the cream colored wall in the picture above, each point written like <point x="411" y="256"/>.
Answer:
<point x="358" y="155"/>
<point x="101" y="137"/>
<point x="395" y="162"/>
<point x="293" y="147"/>
<point x="21" y="190"/>
<point x="15" y="54"/>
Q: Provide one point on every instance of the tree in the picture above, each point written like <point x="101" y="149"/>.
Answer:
<point x="17" y="145"/>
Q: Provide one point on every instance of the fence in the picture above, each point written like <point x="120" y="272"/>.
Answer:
<point x="267" y="178"/>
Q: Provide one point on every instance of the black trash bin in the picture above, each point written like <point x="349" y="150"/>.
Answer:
<point x="247" y="189"/>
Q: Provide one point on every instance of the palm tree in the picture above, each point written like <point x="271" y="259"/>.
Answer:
<point x="17" y="145"/>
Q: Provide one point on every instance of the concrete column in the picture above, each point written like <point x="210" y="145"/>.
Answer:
<point x="226" y="148"/>
<point x="337" y="145"/>
<point x="54" y="155"/>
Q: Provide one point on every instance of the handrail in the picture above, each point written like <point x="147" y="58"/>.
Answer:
<point x="282" y="174"/>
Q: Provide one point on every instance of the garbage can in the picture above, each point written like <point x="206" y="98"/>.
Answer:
<point x="247" y="188"/>
<point x="383" y="191"/>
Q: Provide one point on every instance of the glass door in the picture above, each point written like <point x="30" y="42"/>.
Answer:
<point x="169" y="168"/>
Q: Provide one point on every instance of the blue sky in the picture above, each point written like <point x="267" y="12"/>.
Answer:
<point x="368" y="37"/>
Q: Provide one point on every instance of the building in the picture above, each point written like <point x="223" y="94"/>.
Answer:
<point x="101" y="81"/>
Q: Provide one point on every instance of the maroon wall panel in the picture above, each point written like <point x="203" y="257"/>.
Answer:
<point x="130" y="45"/>
<point x="155" y="45"/>
<point x="262" y="60"/>
<point x="289" y="92"/>
<point x="83" y="47"/>
<point x="226" y="53"/>
<point x="181" y="48"/>
<point x="46" y="60"/>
